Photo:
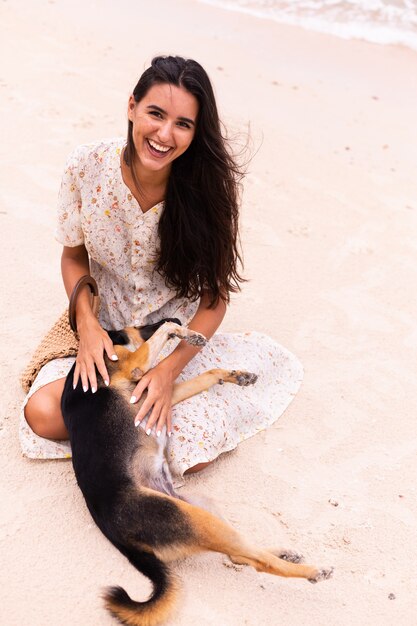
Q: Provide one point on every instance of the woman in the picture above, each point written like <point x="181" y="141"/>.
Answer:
<point x="155" y="221"/>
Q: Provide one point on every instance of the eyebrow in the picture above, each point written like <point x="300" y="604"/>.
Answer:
<point x="182" y="119"/>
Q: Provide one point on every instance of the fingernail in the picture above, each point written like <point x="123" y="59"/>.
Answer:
<point x="85" y="388"/>
<point x="106" y="382"/>
<point x="148" y="432"/>
<point x="169" y="434"/>
<point x="158" y="434"/>
<point x="93" y="389"/>
<point x="137" y="422"/>
<point x="74" y="386"/>
<point x="133" y="400"/>
<point x="114" y="357"/>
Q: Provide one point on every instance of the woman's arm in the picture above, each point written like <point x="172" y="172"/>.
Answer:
<point x="74" y="265"/>
<point x="93" y="338"/>
<point x="206" y="321"/>
<point x="159" y="381"/>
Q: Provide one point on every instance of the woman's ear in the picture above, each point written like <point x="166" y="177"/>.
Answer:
<point x="131" y="107"/>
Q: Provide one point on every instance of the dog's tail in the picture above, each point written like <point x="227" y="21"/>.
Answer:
<point x="157" y="608"/>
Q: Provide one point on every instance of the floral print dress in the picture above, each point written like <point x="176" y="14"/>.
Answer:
<point x="97" y="209"/>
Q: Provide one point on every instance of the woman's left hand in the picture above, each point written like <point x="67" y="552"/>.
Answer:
<point x="158" y="382"/>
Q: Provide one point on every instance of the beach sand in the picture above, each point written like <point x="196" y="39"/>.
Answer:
<point x="328" y="228"/>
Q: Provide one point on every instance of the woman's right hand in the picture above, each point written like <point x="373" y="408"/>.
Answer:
<point x="94" y="341"/>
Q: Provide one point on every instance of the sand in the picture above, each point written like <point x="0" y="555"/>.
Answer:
<point x="328" y="228"/>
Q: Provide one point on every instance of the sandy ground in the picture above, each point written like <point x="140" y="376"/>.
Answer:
<point x="329" y="223"/>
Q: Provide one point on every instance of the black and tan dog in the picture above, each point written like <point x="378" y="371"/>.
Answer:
<point x="126" y="482"/>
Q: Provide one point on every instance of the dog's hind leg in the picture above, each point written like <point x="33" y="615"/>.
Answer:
<point x="208" y="533"/>
<point x="218" y="536"/>
<point x="188" y="388"/>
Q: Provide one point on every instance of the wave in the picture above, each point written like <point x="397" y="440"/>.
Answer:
<point x="376" y="21"/>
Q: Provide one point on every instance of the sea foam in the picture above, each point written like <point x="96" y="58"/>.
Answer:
<point x="376" y="21"/>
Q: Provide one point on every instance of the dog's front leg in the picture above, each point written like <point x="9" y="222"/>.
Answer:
<point x="139" y="362"/>
<point x="188" y="388"/>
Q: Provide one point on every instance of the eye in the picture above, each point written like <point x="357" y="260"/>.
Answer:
<point x="156" y="114"/>
<point x="183" y="125"/>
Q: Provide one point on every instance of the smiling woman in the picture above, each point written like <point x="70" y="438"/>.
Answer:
<point x="154" y="219"/>
<point x="160" y="132"/>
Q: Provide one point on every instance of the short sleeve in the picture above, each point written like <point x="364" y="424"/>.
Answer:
<point x="69" y="231"/>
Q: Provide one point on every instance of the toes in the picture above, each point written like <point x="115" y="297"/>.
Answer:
<point x="290" y="555"/>
<point x="196" y="339"/>
<point x="245" y="378"/>
<point x="322" y="574"/>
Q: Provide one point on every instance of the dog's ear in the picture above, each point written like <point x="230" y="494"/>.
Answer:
<point x="147" y="331"/>
<point x="136" y="374"/>
<point x="118" y="337"/>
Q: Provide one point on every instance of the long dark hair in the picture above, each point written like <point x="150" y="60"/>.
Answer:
<point x="198" y="230"/>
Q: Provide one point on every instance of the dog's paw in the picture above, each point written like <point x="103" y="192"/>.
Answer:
<point x="243" y="379"/>
<point x="196" y="339"/>
<point x="289" y="555"/>
<point x="322" y="574"/>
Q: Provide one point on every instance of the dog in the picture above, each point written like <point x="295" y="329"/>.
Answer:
<point x="126" y="482"/>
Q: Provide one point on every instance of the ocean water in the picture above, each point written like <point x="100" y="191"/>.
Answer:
<point x="377" y="21"/>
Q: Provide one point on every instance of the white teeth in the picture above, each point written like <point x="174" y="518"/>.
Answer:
<point x="158" y="147"/>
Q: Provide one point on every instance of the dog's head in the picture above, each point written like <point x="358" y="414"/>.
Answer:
<point x="132" y="337"/>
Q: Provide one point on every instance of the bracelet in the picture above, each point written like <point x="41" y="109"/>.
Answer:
<point x="84" y="280"/>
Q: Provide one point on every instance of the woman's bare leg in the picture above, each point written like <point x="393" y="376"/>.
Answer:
<point x="43" y="414"/>
<point x="197" y="468"/>
<point x="43" y="411"/>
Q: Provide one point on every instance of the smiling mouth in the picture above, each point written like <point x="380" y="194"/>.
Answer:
<point x="157" y="150"/>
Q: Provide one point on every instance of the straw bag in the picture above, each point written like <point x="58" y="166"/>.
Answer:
<point x="62" y="339"/>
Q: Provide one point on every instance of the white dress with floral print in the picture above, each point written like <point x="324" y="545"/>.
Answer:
<point x="97" y="209"/>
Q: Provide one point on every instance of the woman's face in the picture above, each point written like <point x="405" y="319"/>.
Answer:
<point x="164" y="124"/>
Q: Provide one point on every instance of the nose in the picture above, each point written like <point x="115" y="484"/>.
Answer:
<point x="165" y="132"/>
